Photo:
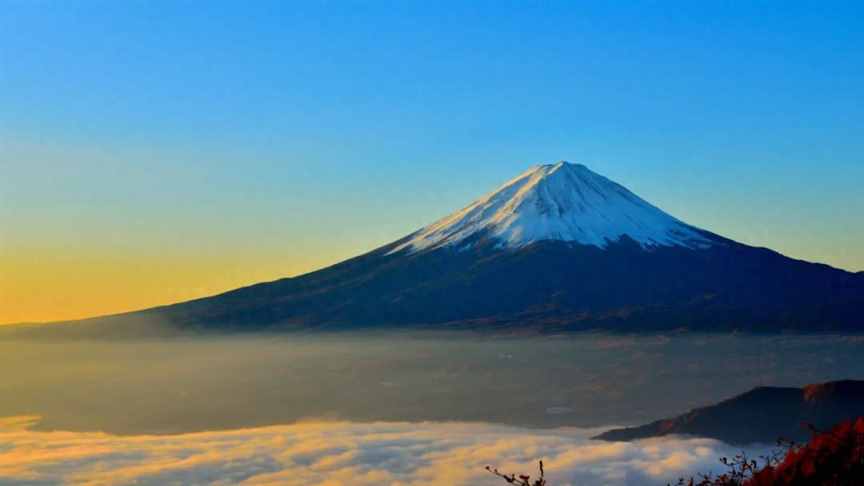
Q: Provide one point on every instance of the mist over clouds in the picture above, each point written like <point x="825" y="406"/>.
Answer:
<point x="378" y="408"/>
<point x="344" y="453"/>
<point x="190" y="384"/>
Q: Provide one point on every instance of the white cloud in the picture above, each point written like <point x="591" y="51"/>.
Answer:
<point x="343" y="453"/>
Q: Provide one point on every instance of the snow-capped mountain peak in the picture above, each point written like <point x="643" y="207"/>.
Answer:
<point x="562" y="201"/>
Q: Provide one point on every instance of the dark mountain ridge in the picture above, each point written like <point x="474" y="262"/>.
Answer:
<point x="761" y="415"/>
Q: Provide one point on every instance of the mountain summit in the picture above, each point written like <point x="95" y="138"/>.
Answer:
<point x="563" y="202"/>
<point x="559" y="248"/>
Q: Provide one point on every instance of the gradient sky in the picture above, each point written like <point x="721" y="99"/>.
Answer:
<point x="157" y="151"/>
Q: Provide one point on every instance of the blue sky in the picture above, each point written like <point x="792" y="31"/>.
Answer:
<point x="281" y="136"/>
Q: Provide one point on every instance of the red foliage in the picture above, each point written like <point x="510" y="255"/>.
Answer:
<point x="833" y="458"/>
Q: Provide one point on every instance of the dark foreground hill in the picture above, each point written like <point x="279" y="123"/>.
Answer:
<point x="761" y="415"/>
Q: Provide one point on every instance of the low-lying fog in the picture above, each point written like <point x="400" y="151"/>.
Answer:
<point x="195" y="384"/>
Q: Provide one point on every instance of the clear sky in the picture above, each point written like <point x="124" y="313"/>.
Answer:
<point x="157" y="151"/>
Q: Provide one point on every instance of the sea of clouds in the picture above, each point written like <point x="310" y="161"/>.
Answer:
<point x="345" y="453"/>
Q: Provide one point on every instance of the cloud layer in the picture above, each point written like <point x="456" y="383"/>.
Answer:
<point x="343" y="453"/>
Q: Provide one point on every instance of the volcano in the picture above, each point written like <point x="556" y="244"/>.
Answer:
<point x="558" y="248"/>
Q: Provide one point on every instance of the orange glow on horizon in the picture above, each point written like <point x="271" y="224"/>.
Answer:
<point x="44" y="285"/>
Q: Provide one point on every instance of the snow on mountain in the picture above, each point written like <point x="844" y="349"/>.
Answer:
<point x="563" y="201"/>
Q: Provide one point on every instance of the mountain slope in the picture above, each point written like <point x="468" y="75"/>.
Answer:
<point x="763" y="414"/>
<point x="559" y="248"/>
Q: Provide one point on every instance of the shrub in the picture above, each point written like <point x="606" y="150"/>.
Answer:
<point x="522" y="479"/>
<point x="831" y="458"/>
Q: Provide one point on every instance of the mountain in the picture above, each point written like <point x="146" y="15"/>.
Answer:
<point x="558" y="248"/>
<point x="763" y="414"/>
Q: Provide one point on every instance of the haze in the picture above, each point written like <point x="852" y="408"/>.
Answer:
<point x="591" y="380"/>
